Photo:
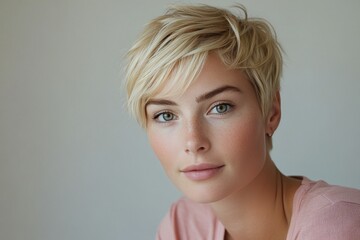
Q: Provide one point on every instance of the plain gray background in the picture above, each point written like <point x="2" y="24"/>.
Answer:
<point x="73" y="165"/>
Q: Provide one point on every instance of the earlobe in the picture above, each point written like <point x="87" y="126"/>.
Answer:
<point x="274" y="115"/>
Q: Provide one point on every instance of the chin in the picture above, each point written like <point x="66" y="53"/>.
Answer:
<point x="203" y="199"/>
<point x="205" y="194"/>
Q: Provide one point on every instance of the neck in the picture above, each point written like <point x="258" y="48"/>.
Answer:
<point x="260" y="211"/>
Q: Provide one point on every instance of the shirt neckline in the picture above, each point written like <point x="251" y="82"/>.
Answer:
<point x="302" y="189"/>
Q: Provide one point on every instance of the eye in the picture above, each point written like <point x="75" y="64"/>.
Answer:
<point x="221" y="108"/>
<point x="164" y="117"/>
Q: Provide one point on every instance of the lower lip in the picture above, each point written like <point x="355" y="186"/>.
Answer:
<point x="201" y="175"/>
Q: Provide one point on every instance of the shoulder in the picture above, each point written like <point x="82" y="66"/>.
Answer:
<point x="324" y="211"/>
<point x="329" y="194"/>
<point x="189" y="220"/>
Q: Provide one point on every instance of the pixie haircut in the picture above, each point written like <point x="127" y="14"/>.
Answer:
<point x="173" y="48"/>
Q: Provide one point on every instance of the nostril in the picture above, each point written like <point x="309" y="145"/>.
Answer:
<point x="201" y="149"/>
<point x="194" y="150"/>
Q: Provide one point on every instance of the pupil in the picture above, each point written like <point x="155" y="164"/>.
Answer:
<point x="167" y="116"/>
<point x="221" y="108"/>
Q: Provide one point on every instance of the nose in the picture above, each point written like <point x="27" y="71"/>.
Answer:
<point x="196" y="139"/>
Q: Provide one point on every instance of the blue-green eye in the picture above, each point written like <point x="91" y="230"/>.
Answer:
<point x="221" y="108"/>
<point x="164" y="117"/>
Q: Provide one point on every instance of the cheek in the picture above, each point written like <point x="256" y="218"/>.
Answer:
<point x="162" y="147"/>
<point x="246" y="144"/>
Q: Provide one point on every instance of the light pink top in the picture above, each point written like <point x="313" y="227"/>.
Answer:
<point x="320" y="212"/>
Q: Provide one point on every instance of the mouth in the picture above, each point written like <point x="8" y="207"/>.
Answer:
<point x="202" y="171"/>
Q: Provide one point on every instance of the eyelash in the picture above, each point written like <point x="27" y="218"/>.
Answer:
<point x="230" y="107"/>
<point x="157" y="115"/>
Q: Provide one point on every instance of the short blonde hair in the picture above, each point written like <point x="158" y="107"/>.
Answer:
<point x="175" y="46"/>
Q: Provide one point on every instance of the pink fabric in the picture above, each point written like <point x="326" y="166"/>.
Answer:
<point x="320" y="212"/>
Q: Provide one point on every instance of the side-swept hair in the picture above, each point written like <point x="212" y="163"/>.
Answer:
<point x="173" y="49"/>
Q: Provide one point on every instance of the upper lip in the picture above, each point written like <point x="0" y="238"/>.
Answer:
<point x="201" y="167"/>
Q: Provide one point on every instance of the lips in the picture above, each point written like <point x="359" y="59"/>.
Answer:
<point x="202" y="171"/>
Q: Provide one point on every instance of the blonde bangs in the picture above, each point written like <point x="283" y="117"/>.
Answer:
<point x="171" y="81"/>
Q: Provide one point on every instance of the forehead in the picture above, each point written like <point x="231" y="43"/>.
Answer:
<point x="213" y="73"/>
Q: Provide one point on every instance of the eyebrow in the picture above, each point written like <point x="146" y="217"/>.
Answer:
<point x="201" y="98"/>
<point x="161" y="102"/>
<point x="217" y="91"/>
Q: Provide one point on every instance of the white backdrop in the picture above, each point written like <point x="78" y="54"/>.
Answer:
<point x="73" y="165"/>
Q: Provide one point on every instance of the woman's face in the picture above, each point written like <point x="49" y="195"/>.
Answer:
<point x="211" y="140"/>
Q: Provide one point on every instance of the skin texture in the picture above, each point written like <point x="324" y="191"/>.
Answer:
<point x="218" y="121"/>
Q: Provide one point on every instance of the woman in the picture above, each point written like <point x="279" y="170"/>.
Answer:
<point x="205" y="83"/>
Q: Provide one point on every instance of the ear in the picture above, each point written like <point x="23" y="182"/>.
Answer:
<point x="274" y="115"/>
